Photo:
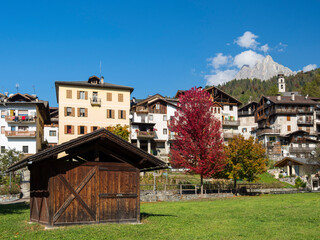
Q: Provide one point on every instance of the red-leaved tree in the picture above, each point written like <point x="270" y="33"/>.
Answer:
<point x="198" y="145"/>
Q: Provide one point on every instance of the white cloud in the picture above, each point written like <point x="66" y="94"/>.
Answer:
<point x="247" y="58"/>
<point x="265" y="48"/>
<point x="220" y="77"/>
<point x="281" y="47"/>
<point x="218" y="60"/>
<point x="247" y="40"/>
<point x="309" y="67"/>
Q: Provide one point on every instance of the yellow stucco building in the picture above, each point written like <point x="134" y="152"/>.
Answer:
<point x="85" y="106"/>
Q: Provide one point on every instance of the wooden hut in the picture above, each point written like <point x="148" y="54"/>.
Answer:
<point x="91" y="179"/>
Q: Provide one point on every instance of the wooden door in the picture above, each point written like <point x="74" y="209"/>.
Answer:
<point x="74" y="196"/>
<point x="118" y="195"/>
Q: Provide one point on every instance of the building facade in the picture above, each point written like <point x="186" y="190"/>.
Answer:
<point x="51" y="131"/>
<point x="22" y="123"/>
<point x="149" y="125"/>
<point x="85" y="106"/>
<point x="247" y="120"/>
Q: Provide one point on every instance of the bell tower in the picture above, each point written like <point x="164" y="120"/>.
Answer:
<point x="281" y="83"/>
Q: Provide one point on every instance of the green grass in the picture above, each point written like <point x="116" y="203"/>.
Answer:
<point x="268" y="179"/>
<point x="295" y="216"/>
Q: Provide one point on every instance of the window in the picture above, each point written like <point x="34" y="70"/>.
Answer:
<point x="82" y="95"/>
<point x="69" y="129"/>
<point x="95" y="97"/>
<point x="69" y="93"/>
<point x="231" y="108"/>
<point x="69" y="111"/>
<point x="120" y="97"/>
<point x="25" y="149"/>
<point x="122" y="114"/>
<point x="164" y="117"/>
<point x="81" y="130"/>
<point x="3" y="149"/>
<point x="150" y="117"/>
<point x="289" y="128"/>
<point x="2" y="129"/>
<point x="3" y="113"/>
<point x="281" y="86"/>
<point x="165" y="131"/>
<point x="94" y="128"/>
<point x="158" y="106"/>
<point x="215" y="110"/>
<point x="52" y="133"/>
<point x="110" y="113"/>
<point x="219" y="110"/>
<point x="288" y="118"/>
<point x="82" y="112"/>
<point x="272" y="139"/>
<point x="244" y="130"/>
<point x="109" y="96"/>
<point x="23" y="128"/>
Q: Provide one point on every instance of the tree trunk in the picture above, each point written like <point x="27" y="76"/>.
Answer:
<point x="235" y="186"/>
<point x="201" y="184"/>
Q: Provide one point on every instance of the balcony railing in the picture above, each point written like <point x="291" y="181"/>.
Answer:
<point x="141" y="110"/>
<point x="227" y="135"/>
<point x="20" y="119"/>
<point x="231" y="122"/>
<point x="146" y="134"/>
<point x="95" y="101"/>
<point x="20" y="133"/>
<point x="245" y="113"/>
<point x="267" y="131"/>
<point x="305" y="122"/>
<point x="301" y="149"/>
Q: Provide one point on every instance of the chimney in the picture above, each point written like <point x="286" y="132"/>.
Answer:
<point x="279" y="97"/>
<point x="102" y="80"/>
<point x="306" y="97"/>
<point x="6" y="93"/>
<point x="292" y="96"/>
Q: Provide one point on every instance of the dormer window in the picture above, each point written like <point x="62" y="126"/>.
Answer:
<point x="94" y="80"/>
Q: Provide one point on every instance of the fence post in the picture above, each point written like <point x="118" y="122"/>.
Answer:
<point x="165" y="187"/>
<point x="180" y="189"/>
<point x="201" y="189"/>
<point x="195" y="189"/>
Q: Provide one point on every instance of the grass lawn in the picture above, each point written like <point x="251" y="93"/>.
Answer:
<point x="293" y="216"/>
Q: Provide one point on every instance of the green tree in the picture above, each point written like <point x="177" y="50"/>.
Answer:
<point x="9" y="157"/>
<point x="121" y="131"/>
<point x="246" y="159"/>
<point x="272" y="91"/>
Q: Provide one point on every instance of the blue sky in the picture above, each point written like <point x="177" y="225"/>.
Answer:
<point x="153" y="46"/>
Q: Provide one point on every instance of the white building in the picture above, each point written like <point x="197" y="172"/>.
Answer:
<point x="247" y="120"/>
<point x="149" y="124"/>
<point x="51" y="130"/>
<point x="22" y="119"/>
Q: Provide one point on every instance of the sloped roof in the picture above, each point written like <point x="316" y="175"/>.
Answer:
<point x="295" y="161"/>
<point x="144" y="160"/>
<point x="155" y="98"/>
<point x="287" y="100"/>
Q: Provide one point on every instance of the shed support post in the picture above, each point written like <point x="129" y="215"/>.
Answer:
<point x="149" y="146"/>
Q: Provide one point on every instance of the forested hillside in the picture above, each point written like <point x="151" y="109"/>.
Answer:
<point x="307" y="83"/>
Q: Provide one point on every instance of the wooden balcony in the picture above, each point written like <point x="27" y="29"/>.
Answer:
<point x="304" y="122"/>
<point x="245" y="113"/>
<point x="231" y="123"/>
<point x="267" y="131"/>
<point x="20" y="134"/>
<point x="146" y="134"/>
<point x="142" y="110"/>
<point x="95" y="101"/>
<point x="227" y="135"/>
<point x="301" y="149"/>
<point x="20" y="119"/>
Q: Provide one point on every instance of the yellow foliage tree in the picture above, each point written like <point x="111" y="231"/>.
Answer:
<point x="119" y="130"/>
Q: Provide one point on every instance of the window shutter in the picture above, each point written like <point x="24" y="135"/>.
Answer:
<point x="78" y="94"/>
<point x="78" y="109"/>
<point x="65" y="129"/>
<point x="72" y="112"/>
<point x="85" y="129"/>
<point x="124" y="114"/>
<point x="72" y="129"/>
<point x="65" y="111"/>
<point x="119" y="114"/>
<point x="86" y="112"/>
<point x="69" y="93"/>
<point x="91" y="128"/>
<point x="86" y="95"/>
<point x="120" y="97"/>
<point x="109" y="96"/>
<point x="112" y="114"/>
<point x="78" y="130"/>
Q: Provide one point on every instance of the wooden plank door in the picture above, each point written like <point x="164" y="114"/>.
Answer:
<point x="118" y="195"/>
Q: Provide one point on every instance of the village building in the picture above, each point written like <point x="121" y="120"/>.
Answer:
<point x="247" y="119"/>
<point x="85" y="106"/>
<point x="22" y="121"/>
<point x="51" y="130"/>
<point x="96" y="181"/>
<point x="149" y="124"/>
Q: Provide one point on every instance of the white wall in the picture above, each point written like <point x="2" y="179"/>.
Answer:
<point x="48" y="138"/>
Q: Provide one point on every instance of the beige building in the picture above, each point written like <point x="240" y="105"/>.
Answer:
<point x="85" y="106"/>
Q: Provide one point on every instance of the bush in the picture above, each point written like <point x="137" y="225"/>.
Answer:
<point x="280" y="175"/>
<point x="299" y="183"/>
<point x="5" y="189"/>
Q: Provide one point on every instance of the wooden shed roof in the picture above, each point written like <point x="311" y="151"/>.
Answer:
<point x="141" y="159"/>
<point x="294" y="161"/>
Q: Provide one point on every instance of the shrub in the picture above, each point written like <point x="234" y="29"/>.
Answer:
<point x="5" y="189"/>
<point x="299" y="183"/>
<point x="280" y="175"/>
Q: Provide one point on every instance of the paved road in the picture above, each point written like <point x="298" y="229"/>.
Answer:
<point x="21" y="200"/>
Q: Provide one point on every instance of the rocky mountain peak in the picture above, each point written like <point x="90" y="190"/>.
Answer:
<point x="264" y="70"/>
